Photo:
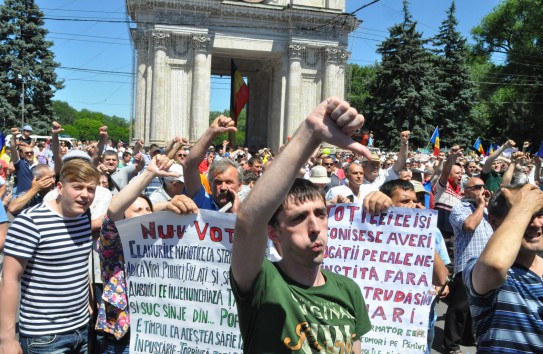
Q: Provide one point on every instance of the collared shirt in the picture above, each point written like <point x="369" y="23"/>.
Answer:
<point x="159" y="196"/>
<point x="122" y="176"/>
<point x="385" y="175"/>
<point x="468" y="244"/>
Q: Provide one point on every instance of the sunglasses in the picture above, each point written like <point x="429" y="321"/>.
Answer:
<point x="328" y="164"/>
<point x="182" y="155"/>
<point x="29" y="152"/>
<point x="477" y="186"/>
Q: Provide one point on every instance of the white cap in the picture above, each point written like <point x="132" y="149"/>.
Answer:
<point x="178" y="169"/>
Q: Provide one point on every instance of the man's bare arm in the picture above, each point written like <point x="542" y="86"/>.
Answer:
<point x="404" y="150"/>
<point x="193" y="183"/>
<point x="499" y="254"/>
<point x="454" y="153"/>
<point x="19" y="203"/>
<point x="9" y="293"/>
<point x="55" y="146"/>
<point x="14" y="148"/>
<point x="97" y="154"/>
<point x="332" y="121"/>
<point x="487" y="167"/>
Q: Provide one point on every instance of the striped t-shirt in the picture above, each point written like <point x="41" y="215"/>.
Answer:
<point x="510" y="318"/>
<point x="55" y="282"/>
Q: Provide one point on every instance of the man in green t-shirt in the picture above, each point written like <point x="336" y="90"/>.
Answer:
<point x="294" y="306"/>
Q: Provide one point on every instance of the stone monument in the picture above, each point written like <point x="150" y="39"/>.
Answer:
<point x="293" y="53"/>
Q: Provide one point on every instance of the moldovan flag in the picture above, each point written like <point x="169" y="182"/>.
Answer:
<point x="493" y="147"/>
<point x="2" y="143"/>
<point x="478" y="146"/>
<point x="239" y="94"/>
<point x="435" y="141"/>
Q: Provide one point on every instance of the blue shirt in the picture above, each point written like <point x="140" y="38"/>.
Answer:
<point x="23" y="170"/>
<point x="468" y="244"/>
<point x="203" y="200"/>
<point x="441" y="248"/>
<point x="508" y="319"/>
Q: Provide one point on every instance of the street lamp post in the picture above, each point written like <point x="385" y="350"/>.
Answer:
<point x="22" y="100"/>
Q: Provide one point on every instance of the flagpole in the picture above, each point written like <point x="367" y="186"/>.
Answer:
<point x="232" y="135"/>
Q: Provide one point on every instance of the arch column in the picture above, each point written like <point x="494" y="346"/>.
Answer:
<point x="159" y="99"/>
<point x="201" y="84"/>
<point x="142" y="47"/>
<point x="293" y="88"/>
<point x="334" y="72"/>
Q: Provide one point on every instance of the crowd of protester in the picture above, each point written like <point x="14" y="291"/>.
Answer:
<point x="486" y="267"/>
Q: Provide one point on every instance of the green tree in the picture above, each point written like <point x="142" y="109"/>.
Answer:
<point x="26" y="61"/>
<point x="454" y="88"/>
<point x="513" y="90"/>
<point x="402" y="88"/>
<point x="240" y="134"/>
<point x="64" y="112"/>
<point x="84" y="124"/>
<point x="359" y="78"/>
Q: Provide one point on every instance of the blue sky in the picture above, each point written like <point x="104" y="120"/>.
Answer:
<point x="96" y="57"/>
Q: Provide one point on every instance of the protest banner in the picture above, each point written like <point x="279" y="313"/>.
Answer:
<point x="391" y="257"/>
<point x="177" y="270"/>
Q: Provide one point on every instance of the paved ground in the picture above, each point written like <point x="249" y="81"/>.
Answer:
<point x="436" y="347"/>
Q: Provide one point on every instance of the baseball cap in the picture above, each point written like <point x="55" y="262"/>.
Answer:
<point x="27" y="127"/>
<point x="178" y="169"/>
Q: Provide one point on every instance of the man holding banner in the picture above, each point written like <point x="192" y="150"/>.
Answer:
<point x="294" y="306"/>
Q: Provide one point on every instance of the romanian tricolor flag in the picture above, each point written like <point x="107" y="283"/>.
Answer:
<point x="435" y="141"/>
<point x="478" y="146"/>
<point x="2" y="144"/>
<point x="493" y="147"/>
<point x="239" y="93"/>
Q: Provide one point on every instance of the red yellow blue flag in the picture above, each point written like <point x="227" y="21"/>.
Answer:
<point x="478" y="146"/>
<point x="239" y="95"/>
<point x="435" y="141"/>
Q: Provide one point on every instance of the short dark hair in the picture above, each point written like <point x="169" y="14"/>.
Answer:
<point x="248" y="177"/>
<point x="497" y="205"/>
<point x="254" y="159"/>
<point x="111" y="153"/>
<point x="302" y="190"/>
<point x="389" y="187"/>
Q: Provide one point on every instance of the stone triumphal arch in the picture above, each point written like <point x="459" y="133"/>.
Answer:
<point x="293" y="53"/>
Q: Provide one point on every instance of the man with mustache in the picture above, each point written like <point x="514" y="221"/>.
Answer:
<point x="505" y="284"/>
<point x="294" y="306"/>
<point x="224" y="175"/>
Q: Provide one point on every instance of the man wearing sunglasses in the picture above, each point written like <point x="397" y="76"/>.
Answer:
<point x="469" y="220"/>
<point x="23" y="160"/>
<point x="328" y="163"/>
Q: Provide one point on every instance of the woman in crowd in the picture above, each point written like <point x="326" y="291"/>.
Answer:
<point x="113" y="314"/>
